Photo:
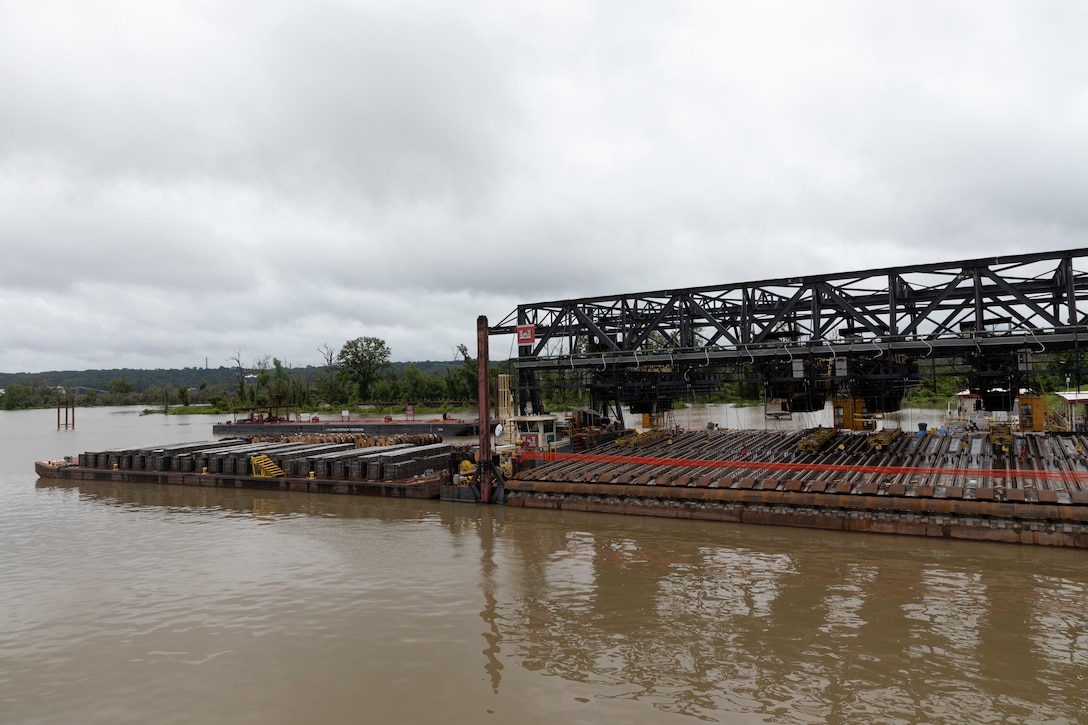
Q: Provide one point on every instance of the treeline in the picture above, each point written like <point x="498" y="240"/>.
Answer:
<point x="360" y="373"/>
<point x="357" y="373"/>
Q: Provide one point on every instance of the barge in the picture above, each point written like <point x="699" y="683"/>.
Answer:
<point x="999" y="486"/>
<point x="983" y="486"/>
<point x="403" y="470"/>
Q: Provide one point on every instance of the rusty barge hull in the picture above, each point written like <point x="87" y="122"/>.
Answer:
<point x="1019" y="523"/>
<point x="1027" y="489"/>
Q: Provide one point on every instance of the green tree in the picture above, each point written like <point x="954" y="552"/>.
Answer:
<point x="18" y="397"/>
<point x="329" y="388"/>
<point x="387" y="389"/>
<point x="361" y="360"/>
<point x="434" y="387"/>
<point x="120" y="386"/>
<point x="414" y="384"/>
<point x="279" y="384"/>
<point x="461" y="382"/>
<point x="263" y="381"/>
<point x="299" y="392"/>
<point x="237" y="358"/>
<point x="160" y="395"/>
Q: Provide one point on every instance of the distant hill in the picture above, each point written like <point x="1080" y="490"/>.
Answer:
<point x="188" y="377"/>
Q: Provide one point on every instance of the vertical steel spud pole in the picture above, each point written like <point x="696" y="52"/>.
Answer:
<point x="483" y="380"/>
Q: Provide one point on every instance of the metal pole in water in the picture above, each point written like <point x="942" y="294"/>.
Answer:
<point x="483" y="380"/>
<point x="69" y="405"/>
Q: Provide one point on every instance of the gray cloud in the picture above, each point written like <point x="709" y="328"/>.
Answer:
<point x="182" y="180"/>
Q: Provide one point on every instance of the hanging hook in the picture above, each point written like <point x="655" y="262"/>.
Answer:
<point x="604" y="363"/>
<point x="707" y="363"/>
<point x="1042" y="347"/>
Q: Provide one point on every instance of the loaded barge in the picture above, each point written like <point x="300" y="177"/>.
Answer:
<point x="997" y="484"/>
<point x="1028" y="488"/>
<point x="986" y="486"/>
<point x="403" y="467"/>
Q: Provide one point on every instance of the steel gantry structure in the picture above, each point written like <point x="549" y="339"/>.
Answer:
<point x="859" y="334"/>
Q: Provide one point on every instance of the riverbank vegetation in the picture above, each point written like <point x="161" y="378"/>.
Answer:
<point x="359" y="377"/>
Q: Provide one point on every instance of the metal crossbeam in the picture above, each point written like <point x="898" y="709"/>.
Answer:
<point x="989" y="308"/>
<point x="1023" y="297"/>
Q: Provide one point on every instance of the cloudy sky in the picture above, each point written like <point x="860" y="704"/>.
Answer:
<point x="181" y="181"/>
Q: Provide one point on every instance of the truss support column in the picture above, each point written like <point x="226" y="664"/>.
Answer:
<point x="1070" y="291"/>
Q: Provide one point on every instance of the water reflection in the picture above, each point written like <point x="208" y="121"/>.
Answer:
<point x="1058" y="623"/>
<point x="800" y="635"/>
<point x="702" y="620"/>
<point x="489" y="613"/>
<point x="267" y="505"/>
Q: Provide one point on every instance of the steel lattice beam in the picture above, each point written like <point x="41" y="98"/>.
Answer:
<point x="988" y="307"/>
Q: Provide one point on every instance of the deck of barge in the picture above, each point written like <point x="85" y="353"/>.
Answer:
<point x="1027" y="488"/>
<point x="990" y="486"/>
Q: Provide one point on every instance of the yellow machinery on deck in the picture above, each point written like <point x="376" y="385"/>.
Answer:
<point x="817" y="439"/>
<point x="851" y="414"/>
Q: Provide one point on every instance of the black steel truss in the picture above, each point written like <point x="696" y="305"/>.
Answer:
<point x="795" y="332"/>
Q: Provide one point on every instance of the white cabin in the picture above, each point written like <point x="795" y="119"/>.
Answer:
<point x="538" y="432"/>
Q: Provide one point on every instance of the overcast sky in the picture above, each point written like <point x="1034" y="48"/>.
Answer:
<point x="183" y="181"/>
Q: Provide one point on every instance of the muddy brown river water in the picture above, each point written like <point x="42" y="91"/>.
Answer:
<point x="138" y="603"/>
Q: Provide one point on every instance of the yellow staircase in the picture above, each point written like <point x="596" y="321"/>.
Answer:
<point x="265" y="467"/>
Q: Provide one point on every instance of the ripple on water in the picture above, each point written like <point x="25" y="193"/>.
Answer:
<point x="167" y="604"/>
